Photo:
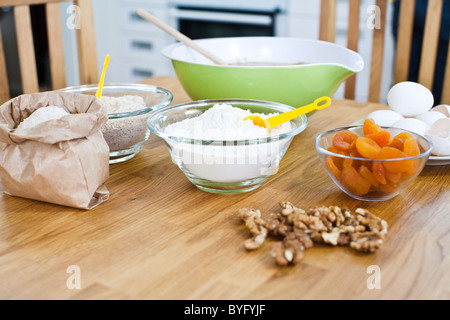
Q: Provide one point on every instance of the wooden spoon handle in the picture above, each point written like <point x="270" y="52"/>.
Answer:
<point x="179" y="36"/>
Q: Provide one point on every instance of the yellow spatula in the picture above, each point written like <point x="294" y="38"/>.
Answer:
<point x="319" y="104"/>
<point x="102" y="78"/>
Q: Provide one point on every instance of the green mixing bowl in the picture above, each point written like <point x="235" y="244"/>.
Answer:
<point x="291" y="71"/>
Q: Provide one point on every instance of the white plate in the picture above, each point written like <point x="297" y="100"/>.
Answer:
<point x="438" y="161"/>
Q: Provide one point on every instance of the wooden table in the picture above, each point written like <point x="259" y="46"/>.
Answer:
<point x="158" y="237"/>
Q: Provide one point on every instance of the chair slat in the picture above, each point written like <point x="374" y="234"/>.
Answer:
<point x="352" y="42"/>
<point x="87" y="51"/>
<point x="4" y="85"/>
<point x="430" y="43"/>
<point x="327" y="31"/>
<point x="404" y="40"/>
<point x="376" y="66"/>
<point x="56" y="45"/>
<point x="26" y="49"/>
<point x="445" y="99"/>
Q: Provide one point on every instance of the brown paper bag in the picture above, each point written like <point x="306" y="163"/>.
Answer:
<point x="63" y="161"/>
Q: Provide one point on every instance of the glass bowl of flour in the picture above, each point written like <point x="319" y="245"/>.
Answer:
<point x="219" y="151"/>
<point x="128" y="107"/>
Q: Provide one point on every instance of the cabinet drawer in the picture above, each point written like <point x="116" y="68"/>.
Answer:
<point x="139" y="46"/>
<point x="137" y="70"/>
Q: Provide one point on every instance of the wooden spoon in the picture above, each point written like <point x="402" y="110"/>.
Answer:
<point x="179" y="36"/>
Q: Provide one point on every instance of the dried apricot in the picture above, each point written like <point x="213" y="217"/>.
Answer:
<point x="411" y="149"/>
<point x="379" y="172"/>
<point x="393" y="176"/>
<point x="335" y="150"/>
<point x="331" y="165"/>
<point x="367" y="147"/>
<point x="395" y="166"/>
<point x="368" y="175"/>
<point x="399" y="140"/>
<point x="388" y="188"/>
<point x="347" y="163"/>
<point x="370" y="127"/>
<point x="345" y="140"/>
<point x="354" y="182"/>
<point x="382" y="138"/>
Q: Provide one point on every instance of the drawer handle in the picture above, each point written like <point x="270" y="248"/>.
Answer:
<point x="142" y="45"/>
<point x="142" y="73"/>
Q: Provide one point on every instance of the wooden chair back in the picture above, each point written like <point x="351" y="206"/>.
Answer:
<point x="86" y="44"/>
<point x="403" y="46"/>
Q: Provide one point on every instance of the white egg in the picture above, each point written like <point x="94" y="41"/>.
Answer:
<point x="385" y="118"/>
<point x="441" y="146"/>
<point x="439" y="134"/>
<point x="431" y="117"/>
<point x="444" y="109"/>
<point x="412" y="124"/>
<point x="410" y="99"/>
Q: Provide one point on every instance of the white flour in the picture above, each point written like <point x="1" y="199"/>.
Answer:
<point x="229" y="162"/>
<point x="223" y="122"/>
<point x="42" y="115"/>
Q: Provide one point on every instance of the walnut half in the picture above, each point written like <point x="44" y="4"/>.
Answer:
<point x="256" y="226"/>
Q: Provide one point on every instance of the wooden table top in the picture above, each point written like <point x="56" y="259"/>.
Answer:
<point x="159" y="237"/>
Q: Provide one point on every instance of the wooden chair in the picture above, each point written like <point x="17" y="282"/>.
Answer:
<point x="405" y="31"/>
<point x="85" y="42"/>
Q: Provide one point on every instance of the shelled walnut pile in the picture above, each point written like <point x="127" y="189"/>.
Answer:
<point x="298" y="230"/>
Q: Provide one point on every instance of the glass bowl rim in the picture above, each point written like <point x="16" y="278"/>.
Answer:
<point x="319" y="149"/>
<point x="224" y="143"/>
<point x="168" y="96"/>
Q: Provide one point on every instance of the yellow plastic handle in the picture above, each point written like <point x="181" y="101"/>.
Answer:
<point x="102" y="78"/>
<point x="318" y="104"/>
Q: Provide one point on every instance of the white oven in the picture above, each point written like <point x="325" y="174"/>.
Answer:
<point x="200" y="19"/>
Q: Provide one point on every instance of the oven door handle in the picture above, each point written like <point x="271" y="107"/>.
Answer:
<point x="241" y="18"/>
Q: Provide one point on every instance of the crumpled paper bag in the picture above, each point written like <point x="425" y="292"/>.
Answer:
<point x="63" y="161"/>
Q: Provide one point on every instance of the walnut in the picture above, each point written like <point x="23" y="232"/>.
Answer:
<point x="286" y="208"/>
<point x="303" y="238"/>
<point x="288" y="251"/>
<point x="337" y="237"/>
<point x="256" y="226"/>
<point x="372" y="222"/>
<point x="367" y="242"/>
<point x="330" y="216"/>
<point x="278" y="225"/>
<point x="299" y="230"/>
<point x="256" y="242"/>
<point x="312" y="222"/>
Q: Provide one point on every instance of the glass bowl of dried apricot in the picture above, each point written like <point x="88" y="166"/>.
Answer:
<point x="370" y="162"/>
